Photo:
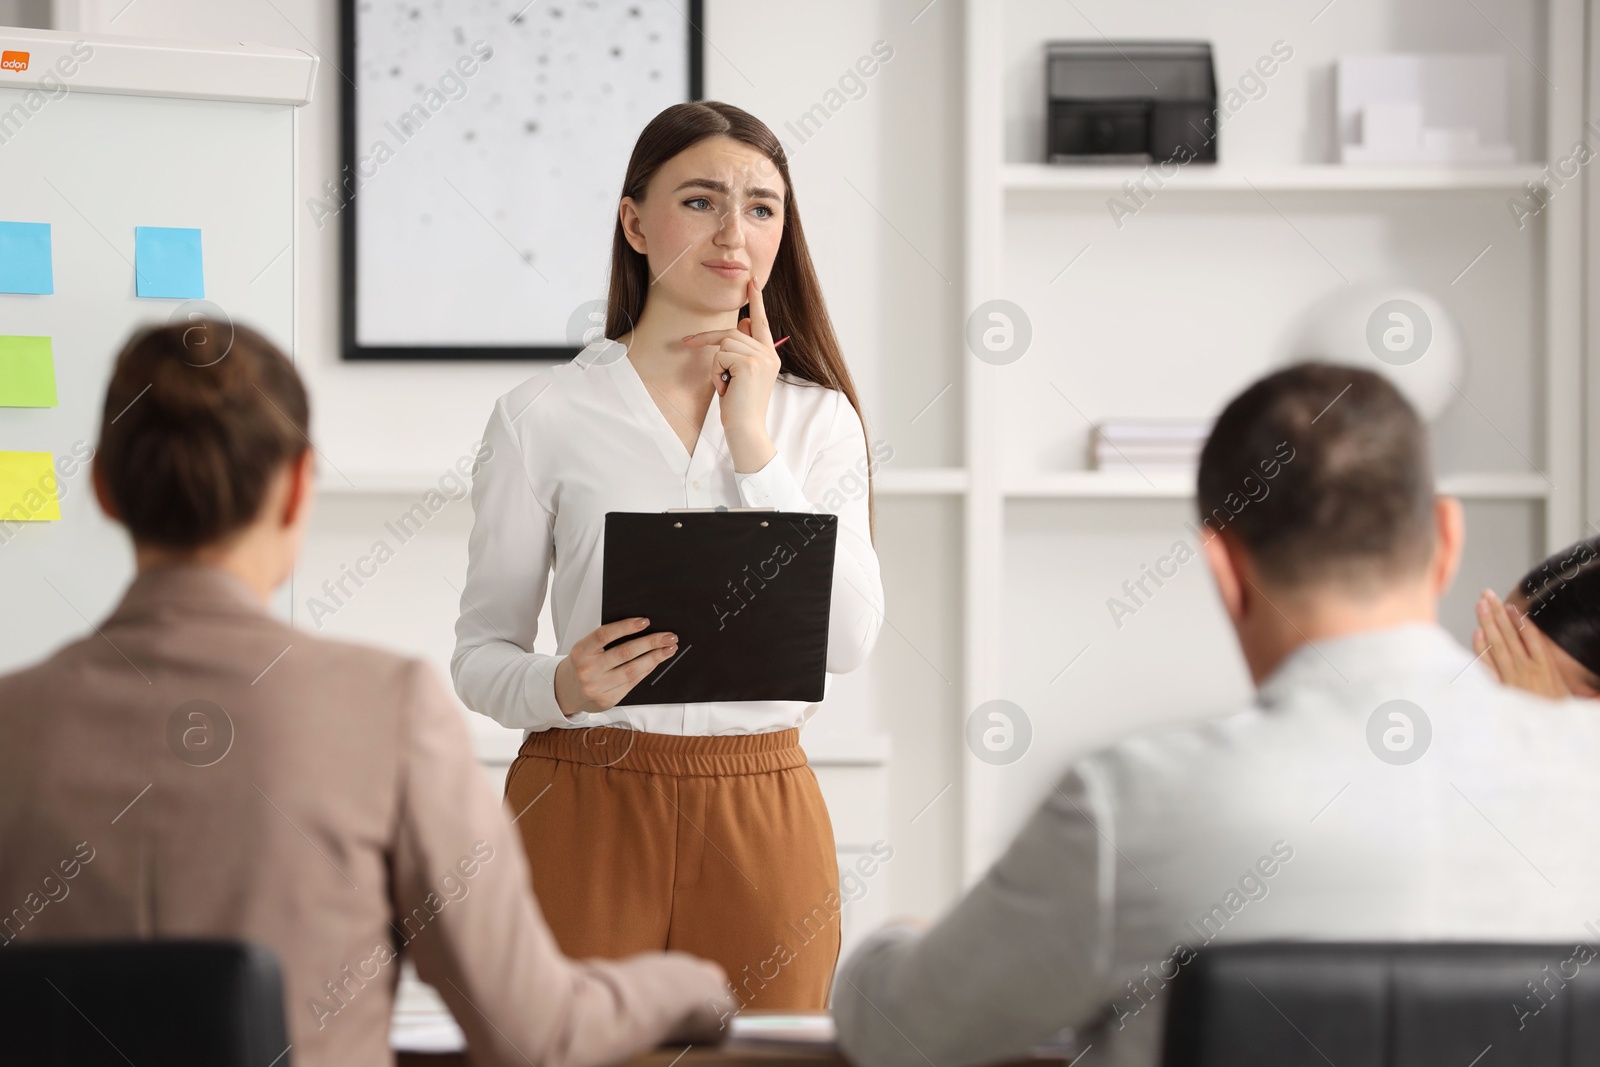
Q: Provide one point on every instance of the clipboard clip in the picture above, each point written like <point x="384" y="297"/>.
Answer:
<point x="679" y="511"/>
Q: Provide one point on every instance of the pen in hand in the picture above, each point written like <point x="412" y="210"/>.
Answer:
<point x="776" y="345"/>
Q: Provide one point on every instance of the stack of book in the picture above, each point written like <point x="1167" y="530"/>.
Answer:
<point x="1148" y="444"/>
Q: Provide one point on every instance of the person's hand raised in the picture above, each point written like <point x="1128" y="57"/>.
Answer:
<point x="1516" y="649"/>
<point x="744" y="367"/>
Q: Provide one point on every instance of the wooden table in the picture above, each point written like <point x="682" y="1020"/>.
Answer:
<point x="712" y="1056"/>
<point x="696" y="1056"/>
<point x="734" y="1054"/>
<point x="737" y="1054"/>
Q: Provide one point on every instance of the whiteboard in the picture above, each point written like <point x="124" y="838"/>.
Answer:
<point x="94" y="165"/>
<point x="485" y="147"/>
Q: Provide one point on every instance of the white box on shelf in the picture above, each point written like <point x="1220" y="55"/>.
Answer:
<point x="1391" y="128"/>
<point x="1438" y="109"/>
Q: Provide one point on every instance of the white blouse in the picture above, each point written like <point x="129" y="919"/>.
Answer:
<point x="585" y="437"/>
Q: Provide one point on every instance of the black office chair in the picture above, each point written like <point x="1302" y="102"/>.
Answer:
<point x="1287" y="1004"/>
<point x="150" y="1003"/>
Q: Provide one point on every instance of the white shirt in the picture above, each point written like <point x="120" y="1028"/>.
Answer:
<point x="1293" y="819"/>
<point x="585" y="437"/>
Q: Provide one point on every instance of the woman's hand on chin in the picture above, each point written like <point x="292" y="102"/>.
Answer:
<point x="751" y="362"/>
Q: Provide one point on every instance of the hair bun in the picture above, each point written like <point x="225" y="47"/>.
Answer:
<point x="199" y="417"/>
<point x="190" y="374"/>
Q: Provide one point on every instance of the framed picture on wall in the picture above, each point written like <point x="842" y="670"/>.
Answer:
<point x="484" y="147"/>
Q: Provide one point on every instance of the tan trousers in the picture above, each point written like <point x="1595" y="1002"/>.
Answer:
<point x="717" y="846"/>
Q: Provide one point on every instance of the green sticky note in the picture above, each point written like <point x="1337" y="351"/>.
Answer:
<point x="27" y="373"/>
<point x="28" y="487"/>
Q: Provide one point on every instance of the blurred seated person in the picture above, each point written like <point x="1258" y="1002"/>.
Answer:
<point x="1362" y="795"/>
<point x="196" y="768"/>
<point x="1559" y="655"/>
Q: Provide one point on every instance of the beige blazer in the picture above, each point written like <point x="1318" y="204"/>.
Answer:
<point x="196" y="768"/>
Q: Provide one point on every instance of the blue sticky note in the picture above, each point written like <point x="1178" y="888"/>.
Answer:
<point x="166" y="260"/>
<point x="25" y="258"/>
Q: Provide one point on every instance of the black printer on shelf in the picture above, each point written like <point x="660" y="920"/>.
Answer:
<point x="1130" y="102"/>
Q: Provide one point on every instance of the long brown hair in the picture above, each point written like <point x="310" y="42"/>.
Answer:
<point x="792" y="295"/>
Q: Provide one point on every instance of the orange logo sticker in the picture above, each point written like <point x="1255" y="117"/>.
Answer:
<point x="13" y="61"/>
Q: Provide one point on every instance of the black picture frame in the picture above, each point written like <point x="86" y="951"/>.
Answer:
<point x="350" y="347"/>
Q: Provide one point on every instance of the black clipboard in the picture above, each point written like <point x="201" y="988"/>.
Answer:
<point x="747" y="592"/>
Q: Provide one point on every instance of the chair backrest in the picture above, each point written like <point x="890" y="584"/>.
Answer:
<point x="1386" y="1005"/>
<point x="88" y="1004"/>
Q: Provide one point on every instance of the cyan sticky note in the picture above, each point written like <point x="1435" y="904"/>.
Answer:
<point x="28" y="487"/>
<point x="27" y="373"/>
<point x="166" y="260"/>
<point x="25" y="258"/>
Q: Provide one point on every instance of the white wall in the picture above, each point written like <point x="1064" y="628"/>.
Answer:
<point x="406" y="417"/>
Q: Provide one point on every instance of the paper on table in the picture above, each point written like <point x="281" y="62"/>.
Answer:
<point x="27" y="373"/>
<point x="25" y="258"/>
<point x="817" y="1030"/>
<point x="431" y="1032"/>
<point x="28" y="487"/>
<point x="166" y="260"/>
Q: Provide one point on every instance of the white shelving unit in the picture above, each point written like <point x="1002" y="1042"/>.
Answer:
<point x="1317" y="178"/>
<point x="887" y="481"/>
<point x="1003" y="490"/>
<point x="1167" y="485"/>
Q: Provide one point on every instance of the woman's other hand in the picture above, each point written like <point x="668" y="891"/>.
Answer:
<point x="751" y="361"/>
<point x="1516" y="649"/>
<point x="594" y="678"/>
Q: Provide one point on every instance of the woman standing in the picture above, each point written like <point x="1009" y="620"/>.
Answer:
<point x="692" y="826"/>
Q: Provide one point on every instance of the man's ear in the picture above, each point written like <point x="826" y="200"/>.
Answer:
<point x="302" y="486"/>
<point x="1222" y="556"/>
<point x="102" y="493"/>
<point x="1449" y="540"/>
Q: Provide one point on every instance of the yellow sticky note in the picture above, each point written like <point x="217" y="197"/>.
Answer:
<point x="28" y="487"/>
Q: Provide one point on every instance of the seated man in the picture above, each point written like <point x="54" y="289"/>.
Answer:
<point x="1381" y="787"/>
<point x="195" y="768"/>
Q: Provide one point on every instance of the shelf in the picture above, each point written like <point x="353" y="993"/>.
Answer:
<point x="846" y="750"/>
<point x="890" y="481"/>
<point x="497" y="746"/>
<point x="377" y="482"/>
<point x="926" y="481"/>
<point x="1169" y="485"/>
<point x="1102" y="485"/>
<point x="1495" y="486"/>
<point x="937" y="481"/>
<point x="1212" y="177"/>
